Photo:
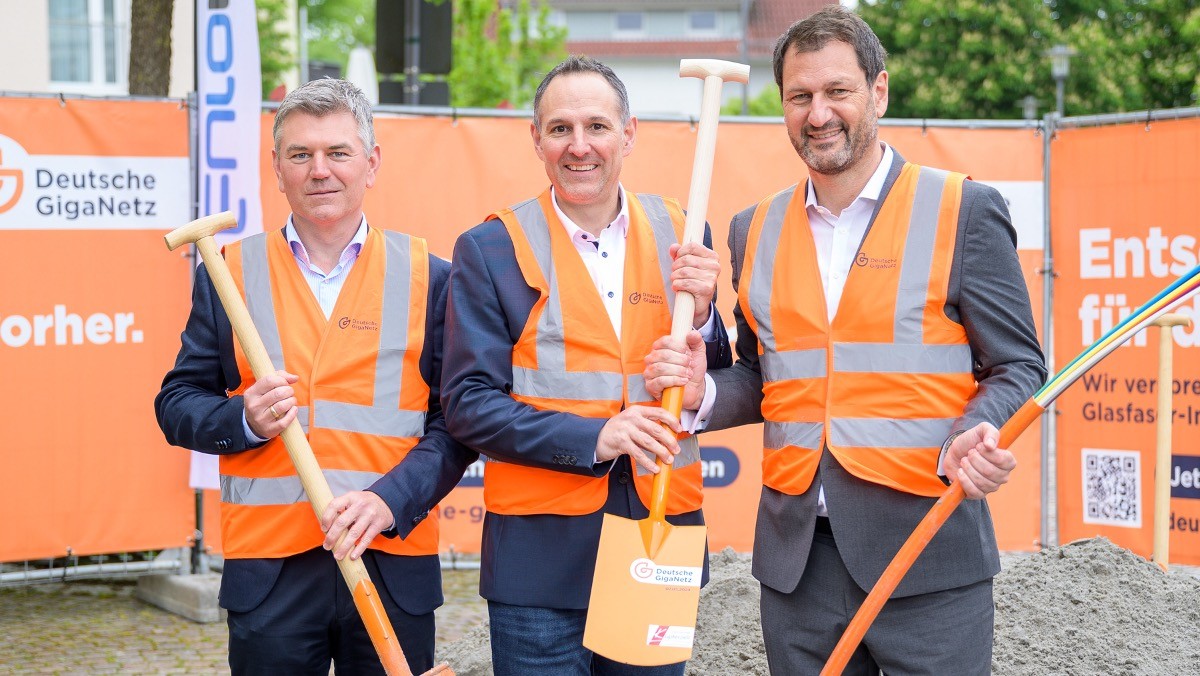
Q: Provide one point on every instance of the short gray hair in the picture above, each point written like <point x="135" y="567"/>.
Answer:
<point x="327" y="96"/>
<point x="833" y="23"/>
<point x="583" y="64"/>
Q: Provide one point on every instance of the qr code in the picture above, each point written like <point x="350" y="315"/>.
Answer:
<point x="1112" y="487"/>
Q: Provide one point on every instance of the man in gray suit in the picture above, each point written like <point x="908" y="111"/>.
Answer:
<point x="884" y="333"/>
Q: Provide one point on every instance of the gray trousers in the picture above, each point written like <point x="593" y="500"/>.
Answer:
<point x="945" y="632"/>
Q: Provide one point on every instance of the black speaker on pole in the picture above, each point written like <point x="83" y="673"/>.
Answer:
<point x="436" y="25"/>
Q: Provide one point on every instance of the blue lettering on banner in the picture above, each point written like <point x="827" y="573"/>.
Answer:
<point x="719" y="466"/>
<point x="1185" y="477"/>
<point x="219" y="59"/>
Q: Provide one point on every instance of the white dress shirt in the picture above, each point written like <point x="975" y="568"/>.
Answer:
<point x="604" y="258"/>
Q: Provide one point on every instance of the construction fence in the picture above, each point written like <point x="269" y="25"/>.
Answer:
<point x="94" y="304"/>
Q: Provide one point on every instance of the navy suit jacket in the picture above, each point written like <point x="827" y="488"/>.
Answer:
<point x="543" y="560"/>
<point x="194" y="412"/>
<point x="988" y="296"/>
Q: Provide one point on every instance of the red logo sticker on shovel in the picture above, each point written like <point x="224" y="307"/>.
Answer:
<point x="669" y="636"/>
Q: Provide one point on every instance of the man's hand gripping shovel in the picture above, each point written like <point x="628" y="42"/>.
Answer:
<point x="366" y="597"/>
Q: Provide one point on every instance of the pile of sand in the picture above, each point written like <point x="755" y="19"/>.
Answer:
<point x="1089" y="607"/>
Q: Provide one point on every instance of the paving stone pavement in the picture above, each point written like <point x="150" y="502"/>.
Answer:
<point x="98" y="627"/>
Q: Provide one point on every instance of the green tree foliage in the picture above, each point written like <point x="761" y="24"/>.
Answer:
<point x="978" y="59"/>
<point x="274" y="52"/>
<point x="337" y="26"/>
<point x="765" y="104"/>
<point x="501" y="54"/>
<point x="1132" y="55"/>
<point x="964" y="58"/>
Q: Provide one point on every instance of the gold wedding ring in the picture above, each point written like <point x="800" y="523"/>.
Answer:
<point x="275" y="413"/>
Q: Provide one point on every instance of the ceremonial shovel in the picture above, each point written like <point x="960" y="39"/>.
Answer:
<point x="646" y="589"/>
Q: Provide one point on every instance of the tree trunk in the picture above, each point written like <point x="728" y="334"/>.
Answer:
<point x="150" y="47"/>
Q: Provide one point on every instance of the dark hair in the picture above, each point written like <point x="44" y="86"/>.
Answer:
<point x="324" y="97"/>
<point x="582" y="64"/>
<point x="832" y="23"/>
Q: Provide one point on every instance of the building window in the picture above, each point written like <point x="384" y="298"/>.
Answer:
<point x="89" y="45"/>
<point x="629" y="24"/>
<point x="702" y="23"/>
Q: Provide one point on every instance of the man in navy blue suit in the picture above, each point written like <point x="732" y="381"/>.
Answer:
<point x="553" y="305"/>
<point x="332" y="298"/>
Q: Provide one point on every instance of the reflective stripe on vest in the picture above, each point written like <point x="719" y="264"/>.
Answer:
<point x="285" y="490"/>
<point x="540" y="370"/>
<point x="810" y="377"/>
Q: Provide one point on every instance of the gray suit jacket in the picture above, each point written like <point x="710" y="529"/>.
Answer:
<point x="988" y="296"/>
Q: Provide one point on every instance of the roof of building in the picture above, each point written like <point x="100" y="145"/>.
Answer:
<point x="767" y="21"/>
<point x="666" y="48"/>
<point x="770" y="18"/>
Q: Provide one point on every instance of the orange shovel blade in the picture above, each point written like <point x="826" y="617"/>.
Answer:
<point x="643" y="606"/>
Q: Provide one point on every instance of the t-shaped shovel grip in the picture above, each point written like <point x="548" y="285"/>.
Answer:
<point x="366" y="597"/>
<point x="715" y="73"/>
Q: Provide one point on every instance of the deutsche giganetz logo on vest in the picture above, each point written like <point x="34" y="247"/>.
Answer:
<point x="865" y="261"/>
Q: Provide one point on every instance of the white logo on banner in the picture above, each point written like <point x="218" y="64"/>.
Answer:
<point x="90" y="192"/>
<point x="230" y="103"/>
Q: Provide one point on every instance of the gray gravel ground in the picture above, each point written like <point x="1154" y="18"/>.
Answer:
<point x="90" y="627"/>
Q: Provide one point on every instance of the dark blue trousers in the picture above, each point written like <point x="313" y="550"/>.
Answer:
<point x="308" y="619"/>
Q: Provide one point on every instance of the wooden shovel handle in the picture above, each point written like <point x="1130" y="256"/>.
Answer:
<point x="912" y="548"/>
<point x="714" y="73"/>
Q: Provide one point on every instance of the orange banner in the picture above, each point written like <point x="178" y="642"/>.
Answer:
<point x="1124" y="230"/>
<point x="89" y="321"/>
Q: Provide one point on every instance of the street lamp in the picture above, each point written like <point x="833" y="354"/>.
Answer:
<point x="1060" y="68"/>
<point x="1029" y="106"/>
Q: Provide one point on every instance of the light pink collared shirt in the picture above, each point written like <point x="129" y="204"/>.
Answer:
<point x="326" y="286"/>
<point x="604" y="256"/>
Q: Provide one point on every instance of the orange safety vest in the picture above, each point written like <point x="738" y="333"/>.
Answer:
<point x="568" y="358"/>
<point x="881" y="384"/>
<point x="361" y="395"/>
